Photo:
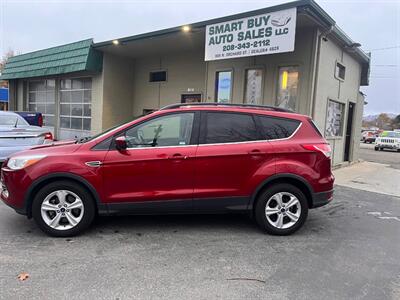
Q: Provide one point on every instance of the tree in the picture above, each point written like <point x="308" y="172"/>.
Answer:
<point x="383" y="121"/>
<point x="396" y="122"/>
<point x="3" y="61"/>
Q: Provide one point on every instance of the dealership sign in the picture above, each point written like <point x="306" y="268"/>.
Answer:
<point x="258" y="35"/>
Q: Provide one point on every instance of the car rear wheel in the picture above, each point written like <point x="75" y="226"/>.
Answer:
<point x="281" y="209"/>
<point x="63" y="209"/>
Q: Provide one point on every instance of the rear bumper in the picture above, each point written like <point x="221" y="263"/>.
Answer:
<point x="322" y="198"/>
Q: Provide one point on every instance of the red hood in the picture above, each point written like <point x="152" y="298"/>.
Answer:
<point x="53" y="144"/>
<point x="56" y="148"/>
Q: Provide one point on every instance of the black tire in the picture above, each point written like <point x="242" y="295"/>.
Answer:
<point x="89" y="210"/>
<point x="262" y="200"/>
<point x="376" y="148"/>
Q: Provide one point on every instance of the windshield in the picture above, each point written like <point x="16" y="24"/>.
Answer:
<point x="90" y="138"/>
<point x="11" y="120"/>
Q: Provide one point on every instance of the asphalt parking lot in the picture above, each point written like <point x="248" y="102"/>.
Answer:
<point x="387" y="156"/>
<point x="346" y="250"/>
<point x="349" y="249"/>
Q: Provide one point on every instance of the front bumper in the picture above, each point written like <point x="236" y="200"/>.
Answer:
<point x="13" y="187"/>
<point x="322" y="198"/>
<point x="388" y="146"/>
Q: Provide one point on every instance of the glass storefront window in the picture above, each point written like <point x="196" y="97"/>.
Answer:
<point x="223" y="86"/>
<point x="253" y="86"/>
<point x="287" y="87"/>
<point x="334" y="119"/>
<point x="75" y="104"/>
<point x="41" y="98"/>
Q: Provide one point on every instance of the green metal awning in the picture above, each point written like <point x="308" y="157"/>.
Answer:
<point x="74" y="57"/>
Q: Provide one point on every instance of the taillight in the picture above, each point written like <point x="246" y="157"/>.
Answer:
<point x="48" y="136"/>
<point x="40" y="120"/>
<point x="323" y="148"/>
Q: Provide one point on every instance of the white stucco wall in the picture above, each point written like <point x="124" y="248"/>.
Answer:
<point x="185" y="72"/>
<point x="188" y="72"/>
<point x="329" y="87"/>
<point x="117" y="90"/>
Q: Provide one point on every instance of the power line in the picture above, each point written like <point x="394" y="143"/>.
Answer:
<point x="386" y="48"/>
<point x="384" y="65"/>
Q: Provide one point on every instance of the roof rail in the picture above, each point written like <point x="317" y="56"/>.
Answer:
<point x="179" y="105"/>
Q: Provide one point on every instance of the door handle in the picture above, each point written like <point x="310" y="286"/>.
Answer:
<point x="177" y="156"/>
<point x="257" y="152"/>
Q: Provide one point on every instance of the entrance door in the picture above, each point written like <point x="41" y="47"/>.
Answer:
<point x="348" y="132"/>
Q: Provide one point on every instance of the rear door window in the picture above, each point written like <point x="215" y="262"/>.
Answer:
<point x="277" y="128"/>
<point x="226" y="127"/>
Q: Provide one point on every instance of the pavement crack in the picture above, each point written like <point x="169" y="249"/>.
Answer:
<point x="247" y="279"/>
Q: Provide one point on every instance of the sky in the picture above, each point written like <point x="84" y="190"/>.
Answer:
<point x="36" y="24"/>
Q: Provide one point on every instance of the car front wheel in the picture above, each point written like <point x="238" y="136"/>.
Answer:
<point x="63" y="209"/>
<point x="281" y="209"/>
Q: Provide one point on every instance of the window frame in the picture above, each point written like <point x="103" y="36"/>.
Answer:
<point x="203" y="128"/>
<point x="263" y="69"/>
<point x="60" y="90"/>
<point x="261" y="127"/>
<point x="45" y="103"/>
<point x="194" y="139"/>
<point x="336" y="72"/>
<point x="158" y="71"/>
<point x="340" y="136"/>
<point x="277" y="85"/>
<point x="216" y="84"/>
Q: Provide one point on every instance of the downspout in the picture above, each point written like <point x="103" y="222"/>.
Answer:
<point x="322" y="35"/>
<point x="206" y="84"/>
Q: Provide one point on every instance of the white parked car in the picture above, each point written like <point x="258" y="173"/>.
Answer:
<point x="17" y="135"/>
<point x="388" y="140"/>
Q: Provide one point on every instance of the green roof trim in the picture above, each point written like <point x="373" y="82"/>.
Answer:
<point x="73" y="57"/>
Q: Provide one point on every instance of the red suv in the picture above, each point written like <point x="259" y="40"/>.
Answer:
<point x="203" y="158"/>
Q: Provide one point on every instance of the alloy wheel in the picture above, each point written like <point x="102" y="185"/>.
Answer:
<point x="283" y="210"/>
<point x="62" y="210"/>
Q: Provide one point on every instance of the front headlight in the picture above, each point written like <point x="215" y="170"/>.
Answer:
<point x="20" y="162"/>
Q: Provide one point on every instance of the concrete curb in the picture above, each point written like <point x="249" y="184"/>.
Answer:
<point x="347" y="164"/>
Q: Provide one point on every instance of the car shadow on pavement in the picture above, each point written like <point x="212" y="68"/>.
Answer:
<point x="157" y="223"/>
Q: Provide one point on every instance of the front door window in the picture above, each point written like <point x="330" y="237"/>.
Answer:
<point x="170" y="130"/>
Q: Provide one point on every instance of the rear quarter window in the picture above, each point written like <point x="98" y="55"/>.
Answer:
<point x="277" y="128"/>
<point x="315" y="128"/>
<point x="228" y="128"/>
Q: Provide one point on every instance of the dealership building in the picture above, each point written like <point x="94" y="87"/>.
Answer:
<point x="292" y="56"/>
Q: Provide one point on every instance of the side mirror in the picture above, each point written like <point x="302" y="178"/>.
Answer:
<point x="120" y="143"/>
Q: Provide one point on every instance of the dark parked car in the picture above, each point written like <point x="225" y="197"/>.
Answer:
<point x="205" y="158"/>
<point x="33" y="118"/>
